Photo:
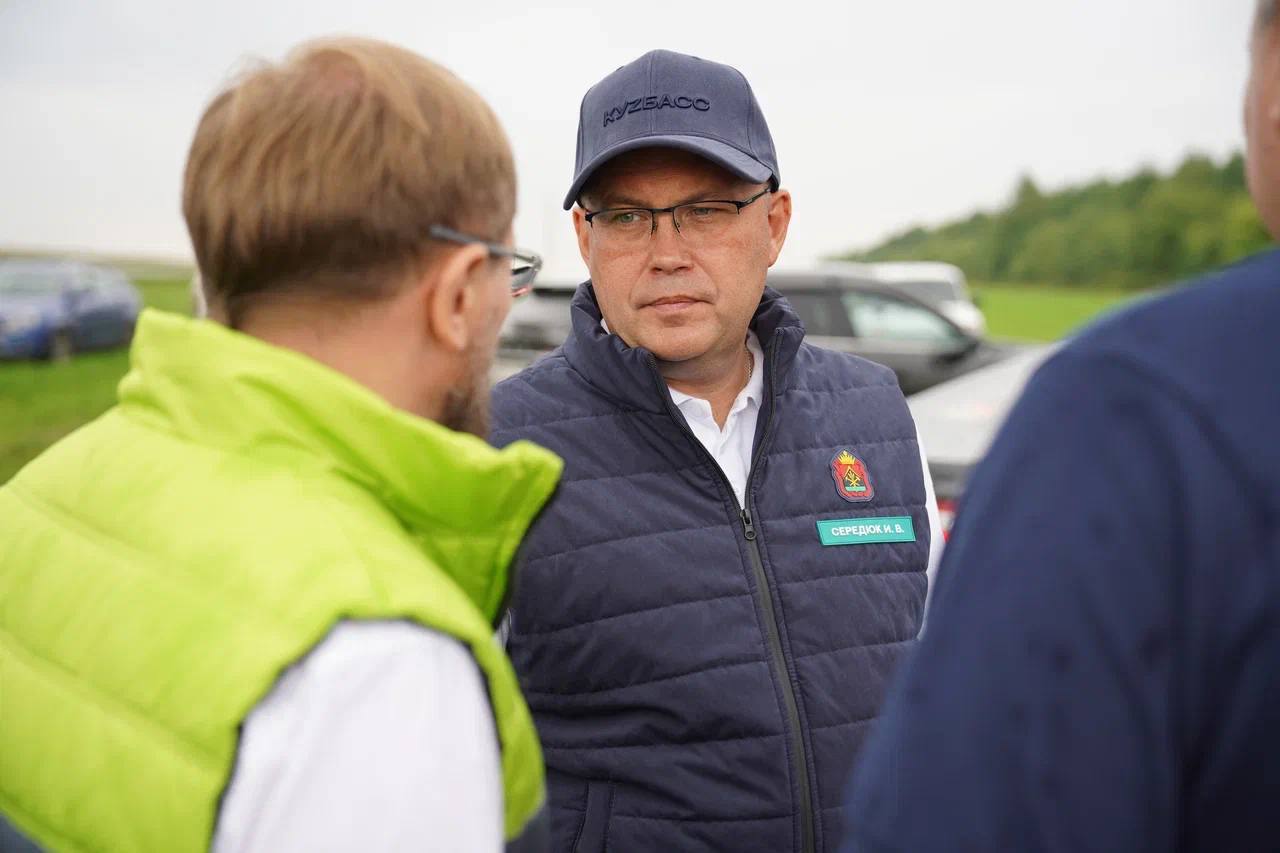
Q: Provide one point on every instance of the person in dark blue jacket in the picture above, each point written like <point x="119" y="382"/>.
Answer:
<point x="1101" y="669"/>
<point x="713" y="604"/>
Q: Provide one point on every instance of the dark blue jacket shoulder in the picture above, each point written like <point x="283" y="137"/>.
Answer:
<point x="1099" y="668"/>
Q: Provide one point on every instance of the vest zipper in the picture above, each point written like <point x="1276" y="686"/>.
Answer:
<point x="773" y="637"/>
<point x="799" y="759"/>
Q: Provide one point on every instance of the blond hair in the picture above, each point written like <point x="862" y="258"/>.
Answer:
<point x="321" y="175"/>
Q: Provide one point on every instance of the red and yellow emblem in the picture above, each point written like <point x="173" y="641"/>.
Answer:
<point x="852" y="481"/>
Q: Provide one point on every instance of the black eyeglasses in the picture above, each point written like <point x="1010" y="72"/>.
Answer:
<point x="694" y="220"/>
<point x="524" y="265"/>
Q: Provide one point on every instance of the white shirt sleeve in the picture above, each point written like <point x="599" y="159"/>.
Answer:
<point x="936" y="537"/>
<point x="381" y="739"/>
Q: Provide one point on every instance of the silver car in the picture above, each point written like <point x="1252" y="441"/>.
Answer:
<point x="938" y="284"/>
<point x="863" y="317"/>
<point x="958" y="420"/>
<point x="881" y="322"/>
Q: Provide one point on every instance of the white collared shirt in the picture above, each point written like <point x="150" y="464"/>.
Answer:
<point x="732" y="446"/>
<point x="382" y="738"/>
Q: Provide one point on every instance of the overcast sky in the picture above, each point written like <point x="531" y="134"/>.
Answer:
<point x="884" y="114"/>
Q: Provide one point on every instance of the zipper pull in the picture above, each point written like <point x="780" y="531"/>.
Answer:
<point x="747" y="527"/>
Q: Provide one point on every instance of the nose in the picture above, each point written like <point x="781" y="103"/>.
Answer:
<point x="668" y="251"/>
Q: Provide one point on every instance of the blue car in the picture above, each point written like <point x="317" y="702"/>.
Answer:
<point x="53" y="309"/>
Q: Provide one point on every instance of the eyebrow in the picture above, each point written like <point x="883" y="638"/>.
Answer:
<point x="611" y="201"/>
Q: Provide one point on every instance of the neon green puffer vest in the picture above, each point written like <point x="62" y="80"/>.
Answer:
<point x="162" y="566"/>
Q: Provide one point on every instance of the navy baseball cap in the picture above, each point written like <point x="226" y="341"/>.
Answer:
<point x="670" y="100"/>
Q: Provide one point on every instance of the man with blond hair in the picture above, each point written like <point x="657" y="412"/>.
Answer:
<point x="252" y="606"/>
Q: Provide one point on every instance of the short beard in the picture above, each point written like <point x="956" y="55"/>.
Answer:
<point x="466" y="407"/>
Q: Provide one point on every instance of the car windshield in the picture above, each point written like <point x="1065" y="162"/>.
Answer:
<point x="541" y="320"/>
<point x="929" y="291"/>
<point x="29" y="280"/>
<point x="877" y="316"/>
<point x="814" y="309"/>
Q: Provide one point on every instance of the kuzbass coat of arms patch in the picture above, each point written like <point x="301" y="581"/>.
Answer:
<point x="852" y="481"/>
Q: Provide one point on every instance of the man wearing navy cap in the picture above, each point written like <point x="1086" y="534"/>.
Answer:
<point x="736" y="558"/>
<point x="1102" y="665"/>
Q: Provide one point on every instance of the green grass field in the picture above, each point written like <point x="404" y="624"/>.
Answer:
<point x="40" y="402"/>
<point x="1038" y="313"/>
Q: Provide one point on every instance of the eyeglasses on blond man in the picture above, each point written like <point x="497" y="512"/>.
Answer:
<point x="524" y="264"/>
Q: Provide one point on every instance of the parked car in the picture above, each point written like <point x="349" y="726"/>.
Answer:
<point x="53" y="309"/>
<point x="840" y="312"/>
<point x="958" y="420"/>
<point x="538" y="322"/>
<point x="881" y="322"/>
<point x="941" y="285"/>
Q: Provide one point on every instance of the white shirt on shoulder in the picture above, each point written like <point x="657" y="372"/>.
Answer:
<point x="381" y="739"/>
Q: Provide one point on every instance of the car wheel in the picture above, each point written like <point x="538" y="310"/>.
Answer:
<point x="61" y="347"/>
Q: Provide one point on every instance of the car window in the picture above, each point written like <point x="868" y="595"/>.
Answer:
<point x="876" y="315"/>
<point x="930" y="291"/>
<point x="88" y="280"/>
<point x="541" y="320"/>
<point x="100" y="281"/>
<point x="30" y="279"/>
<point x="819" y="312"/>
<point x="110" y="282"/>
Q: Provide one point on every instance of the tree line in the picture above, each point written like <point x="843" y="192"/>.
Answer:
<point x="1147" y="229"/>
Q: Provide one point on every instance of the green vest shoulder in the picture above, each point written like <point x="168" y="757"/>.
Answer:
<point x="163" y="565"/>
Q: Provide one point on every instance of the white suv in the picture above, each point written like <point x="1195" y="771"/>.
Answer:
<point x="941" y="285"/>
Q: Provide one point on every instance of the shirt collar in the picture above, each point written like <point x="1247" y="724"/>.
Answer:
<point x="629" y="377"/>
<point x="753" y="392"/>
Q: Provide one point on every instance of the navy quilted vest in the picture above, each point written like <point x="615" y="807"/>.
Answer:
<point x="702" y="674"/>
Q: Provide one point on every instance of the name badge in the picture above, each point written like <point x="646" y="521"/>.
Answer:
<point x="867" y="531"/>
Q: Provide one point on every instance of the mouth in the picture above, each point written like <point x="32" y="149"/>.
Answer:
<point x="677" y="302"/>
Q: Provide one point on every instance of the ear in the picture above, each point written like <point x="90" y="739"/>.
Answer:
<point x="453" y="295"/>
<point x="1264" y="76"/>
<point x="583" y="229"/>
<point x="779" y="222"/>
<point x="1272" y="106"/>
